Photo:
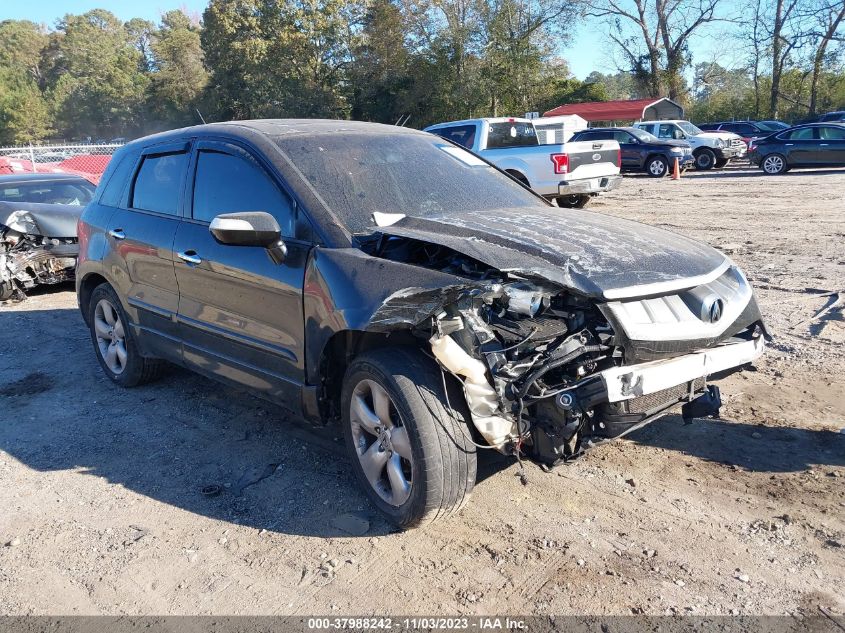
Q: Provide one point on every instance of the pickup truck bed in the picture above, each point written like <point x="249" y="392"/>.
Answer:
<point x="570" y="173"/>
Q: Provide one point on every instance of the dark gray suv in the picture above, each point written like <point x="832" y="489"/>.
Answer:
<point x="394" y="282"/>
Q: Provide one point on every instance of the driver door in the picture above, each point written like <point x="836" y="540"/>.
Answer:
<point x="240" y="314"/>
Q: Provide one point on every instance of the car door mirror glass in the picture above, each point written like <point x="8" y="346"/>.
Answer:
<point x="249" y="228"/>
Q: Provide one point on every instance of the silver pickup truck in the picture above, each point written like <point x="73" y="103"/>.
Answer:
<point x="571" y="173"/>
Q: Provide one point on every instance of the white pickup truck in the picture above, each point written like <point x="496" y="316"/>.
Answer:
<point x="570" y="173"/>
<point x="710" y="149"/>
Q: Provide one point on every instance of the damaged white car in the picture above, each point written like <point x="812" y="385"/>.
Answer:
<point x="38" y="216"/>
<point x="395" y="283"/>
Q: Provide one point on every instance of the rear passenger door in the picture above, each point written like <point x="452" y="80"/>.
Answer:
<point x="801" y="146"/>
<point x="831" y="150"/>
<point x="240" y="314"/>
<point x="140" y="252"/>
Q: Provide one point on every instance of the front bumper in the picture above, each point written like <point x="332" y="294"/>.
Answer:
<point x="634" y="381"/>
<point x="727" y="153"/>
<point x="588" y="185"/>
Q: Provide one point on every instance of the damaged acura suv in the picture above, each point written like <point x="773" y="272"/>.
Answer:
<point x="392" y="282"/>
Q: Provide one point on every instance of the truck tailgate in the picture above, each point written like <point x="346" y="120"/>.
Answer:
<point x="590" y="159"/>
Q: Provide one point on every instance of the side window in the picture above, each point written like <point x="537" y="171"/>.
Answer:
<point x="832" y="133"/>
<point x="666" y="130"/>
<point x="801" y="134"/>
<point x="651" y="129"/>
<point x="463" y="135"/>
<point x="115" y="185"/>
<point x="620" y="136"/>
<point x="158" y="183"/>
<point x="744" y="128"/>
<point x="228" y="184"/>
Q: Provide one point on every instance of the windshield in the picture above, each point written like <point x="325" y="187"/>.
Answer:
<point x="772" y="126"/>
<point x="689" y="128"/>
<point x="644" y="136"/>
<point x="76" y="193"/>
<point x="416" y="175"/>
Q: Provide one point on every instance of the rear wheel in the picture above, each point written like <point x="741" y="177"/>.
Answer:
<point x="657" y="167"/>
<point x="705" y="159"/>
<point x="573" y="201"/>
<point x="114" y="343"/>
<point x="408" y="441"/>
<point x="774" y="164"/>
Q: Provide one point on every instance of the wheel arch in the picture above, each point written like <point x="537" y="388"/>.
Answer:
<point x="515" y="173"/>
<point x="86" y="286"/>
<point x="339" y="351"/>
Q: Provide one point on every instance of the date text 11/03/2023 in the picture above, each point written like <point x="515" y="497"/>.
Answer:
<point x="486" y="623"/>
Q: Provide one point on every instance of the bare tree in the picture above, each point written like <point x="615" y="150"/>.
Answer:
<point x="829" y="17"/>
<point x="658" y="50"/>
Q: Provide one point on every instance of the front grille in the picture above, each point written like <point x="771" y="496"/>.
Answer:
<point x="660" y="399"/>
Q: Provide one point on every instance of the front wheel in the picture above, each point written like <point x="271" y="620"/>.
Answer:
<point x="408" y="440"/>
<point x="721" y="163"/>
<point x="573" y="201"/>
<point x="657" y="167"/>
<point x="705" y="159"/>
<point x="774" y="164"/>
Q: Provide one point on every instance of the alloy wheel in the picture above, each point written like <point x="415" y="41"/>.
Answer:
<point x="657" y="167"/>
<point x="381" y="442"/>
<point x="111" y="336"/>
<point x="773" y="165"/>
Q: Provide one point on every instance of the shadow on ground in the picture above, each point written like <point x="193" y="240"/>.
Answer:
<point x="749" y="446"/>
<point x="190" y="443"/>
<point x="183" y="440"/>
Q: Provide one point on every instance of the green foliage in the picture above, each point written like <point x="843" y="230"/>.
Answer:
<point x="24" y="115"/>
<point x="420" y="61"/>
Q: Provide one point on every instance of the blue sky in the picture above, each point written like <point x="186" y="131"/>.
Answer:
<point x="586" y="52"/>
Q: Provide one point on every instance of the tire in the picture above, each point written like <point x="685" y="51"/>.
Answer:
<point x="721" y="163"/>
<point x="657" y="167"/>
<point x="422" y="436"/>
<point x="573" y="201"/>
<point x="774" y="164"/>
<point x="114" y="343"/>
<point x="7" y="291"/>
<point x="705" y="160"/>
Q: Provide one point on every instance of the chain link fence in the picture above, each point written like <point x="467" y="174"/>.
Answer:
<point x="88" y="161"/>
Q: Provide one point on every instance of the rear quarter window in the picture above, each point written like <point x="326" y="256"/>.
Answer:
<point x="158" y="185"/>
<point x="116" y="179"/>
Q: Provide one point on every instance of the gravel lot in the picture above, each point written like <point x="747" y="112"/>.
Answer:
<point x="103" y="511"/>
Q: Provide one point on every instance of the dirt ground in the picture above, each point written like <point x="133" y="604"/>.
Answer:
<point x="103" y="510"/>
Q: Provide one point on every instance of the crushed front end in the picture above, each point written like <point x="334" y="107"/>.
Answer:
<point x="28" y="258"/>
<point x="547" y="373"/>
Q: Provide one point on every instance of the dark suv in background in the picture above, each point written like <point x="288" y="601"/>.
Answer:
<point x="642" y="151"/>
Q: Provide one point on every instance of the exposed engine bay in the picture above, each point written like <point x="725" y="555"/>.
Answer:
<point x="536" y="361"/>
<point x="29" y="258"/>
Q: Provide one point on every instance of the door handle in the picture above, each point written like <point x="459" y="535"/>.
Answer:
<point x="190" y="257"/>
<point x="823" y="144"/>
<point x="789" y="144"/>
<point x="118" y="234"/>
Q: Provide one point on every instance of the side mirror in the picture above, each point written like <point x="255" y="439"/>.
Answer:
<point x="250" y="228"/>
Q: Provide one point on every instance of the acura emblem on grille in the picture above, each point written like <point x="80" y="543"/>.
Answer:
<point x="714" y="312"/>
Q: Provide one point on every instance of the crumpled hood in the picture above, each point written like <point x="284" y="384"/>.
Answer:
<point x="52" y="220"/>
<point x="587" y="252"/>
